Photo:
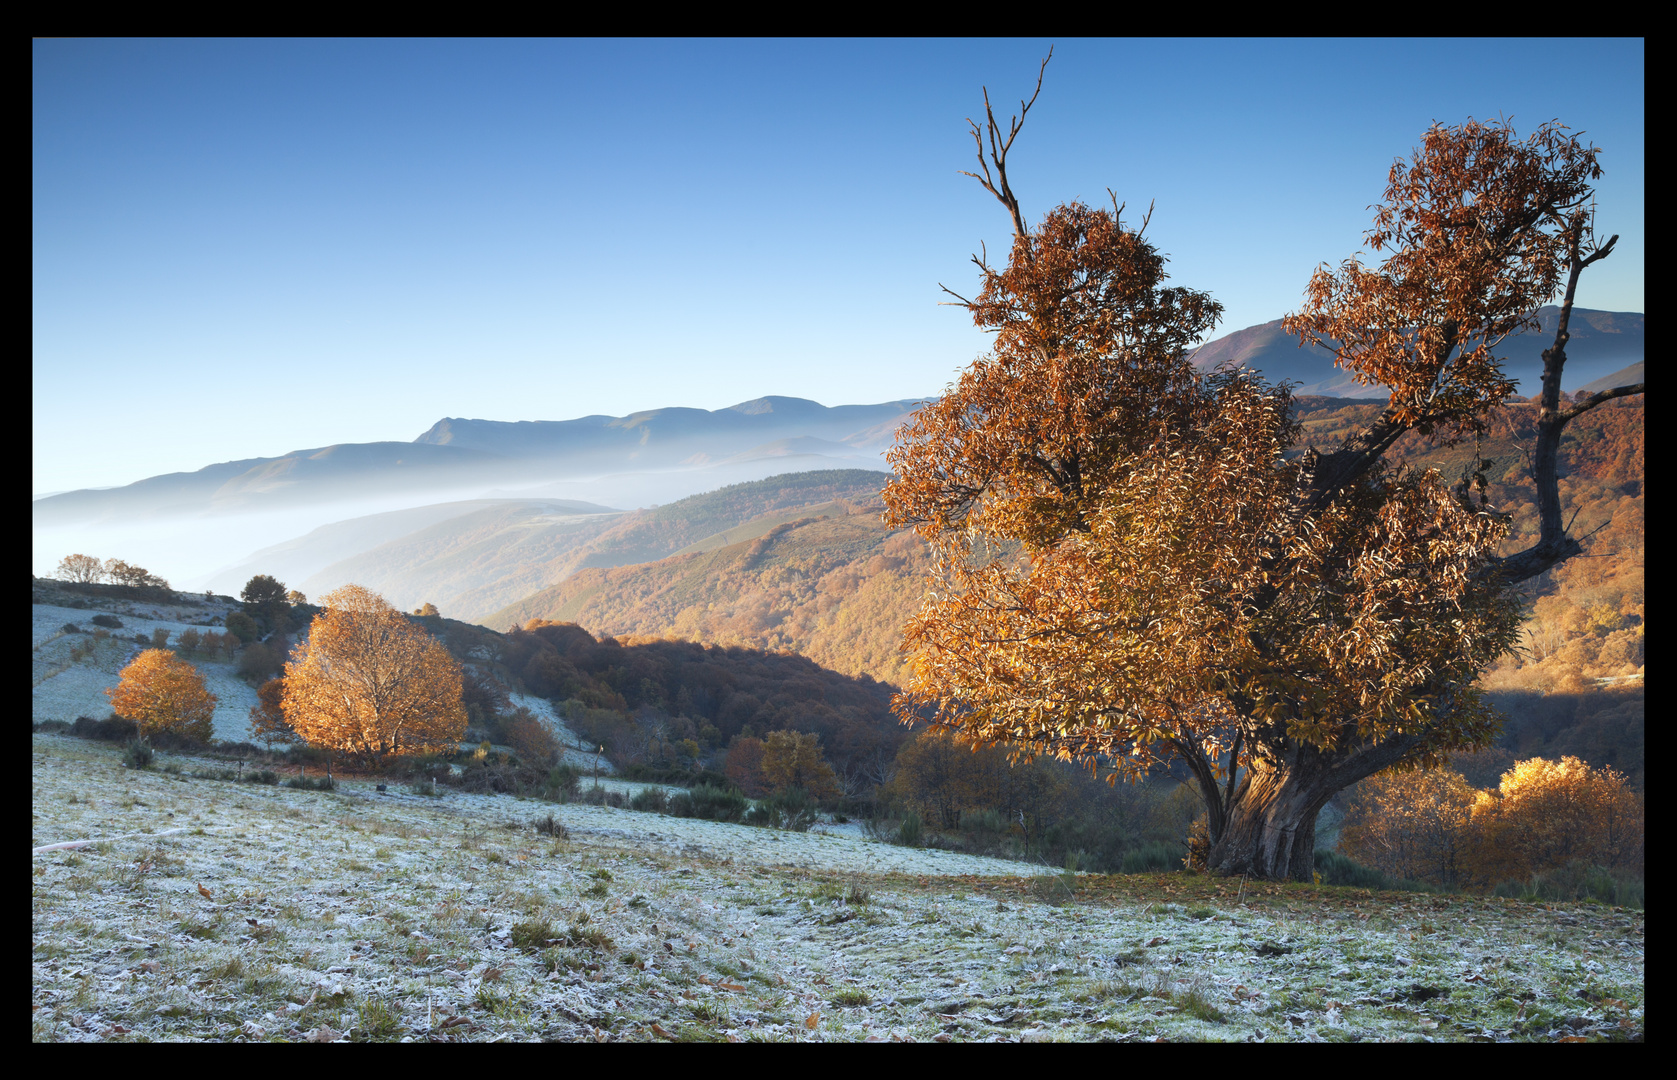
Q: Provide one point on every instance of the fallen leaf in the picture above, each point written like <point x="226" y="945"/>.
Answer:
<point x="205" y="892"/>
<point x="660" y="1032"/>
<point x="730" y="986"/>
<point x="812" y="1020"/>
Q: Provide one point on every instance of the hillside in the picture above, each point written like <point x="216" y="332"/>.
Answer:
<point x="169" y="906"/>
<point x="477" y="561"/>
<point x="834" y="588"/>
<point x="300" y="558"/>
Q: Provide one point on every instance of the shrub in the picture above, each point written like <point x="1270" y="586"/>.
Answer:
<point x="562" y="784"/>
<point x="109" y="621"/>
<point x="599" y="796"/>
<point x="529" y="738"/>
<point x="1334" y="868"/>
<point x="911" y="833"/>
<point x="312" y="783"/>
<point x="551" y="826"/>
<point x="648" y="800"/>
<point x="72" y="628"/>
<point x="794" y="810"/>
<point x="138" y="754"/>
<point x="1577" y="881"/>
<point x="1156" y="857"/>
<point x="718" y="804"/>
<point x="114" y="729"/>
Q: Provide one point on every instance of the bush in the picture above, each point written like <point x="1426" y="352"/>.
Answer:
<point x="551" y="826"/>
<point x="312" y="783"/>
<point x="138" y="754"/>
<point x="648" y="800"/>
<point x="71" y="628"/>
<point x="529" y="738"/>
<point x="599" y="796"/>
<point x="1156" y="857"/>
<point x="114" y="729"/>
<point x="1577" y="881"/>
<point x="1333" y="868"/>
<point x="108" y="621"/>
<point x="563" y="782"/>
<point x="911" y="833"/>
<point x="718" y="803"/>
<point x="793" y="809"/>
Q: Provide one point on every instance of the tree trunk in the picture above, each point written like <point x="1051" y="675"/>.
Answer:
<point x="1270" y="831"/>
<point x="1269" y="823"/>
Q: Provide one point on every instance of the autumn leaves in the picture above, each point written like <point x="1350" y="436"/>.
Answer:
<point x="367" y="682"/>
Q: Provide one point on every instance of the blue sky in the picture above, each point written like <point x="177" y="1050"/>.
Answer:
<point x="244" y="248"/>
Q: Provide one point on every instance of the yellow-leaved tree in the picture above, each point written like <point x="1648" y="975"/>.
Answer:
<point x="1548" y="814"/>
<point x="370" y="683"/>
<point x="1414" y="824"/>
<point x="793" y="759"/>
<point x="161" y="692"/>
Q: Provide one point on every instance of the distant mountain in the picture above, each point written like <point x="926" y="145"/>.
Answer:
<point x="1602" y="344"/>
<point x="458" y="457"/>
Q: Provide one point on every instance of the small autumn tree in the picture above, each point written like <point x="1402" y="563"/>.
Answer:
<point x="793" y="759"/>
<point x="1546" y="815"/>
<point x="267" y="716"/>
<point x="160" y="692"/>
<point x="1414" y="824"/>
<point x="370" y="683"/>
<point x="1133" y="567"/>
<point x="532" y="740"/>
<point x="81" y="568"/>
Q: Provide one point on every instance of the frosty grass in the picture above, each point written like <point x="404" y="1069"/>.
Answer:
<point x="355" y="915"/>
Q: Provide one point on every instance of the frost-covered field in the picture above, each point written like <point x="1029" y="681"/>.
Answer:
<point x="64" y="689"/>
<point x="355" y="915"/>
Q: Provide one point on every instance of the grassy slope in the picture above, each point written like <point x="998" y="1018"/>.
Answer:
<point x="397" y="917"/>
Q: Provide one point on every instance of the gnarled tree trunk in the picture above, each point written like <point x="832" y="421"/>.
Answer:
<point x="1264" y="825"/>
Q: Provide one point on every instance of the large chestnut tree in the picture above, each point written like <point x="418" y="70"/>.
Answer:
<point x="1131" y="566"/>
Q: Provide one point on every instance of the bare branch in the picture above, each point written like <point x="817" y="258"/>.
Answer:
<point x="999" y="148"/>
<point x="1596" y="399"/>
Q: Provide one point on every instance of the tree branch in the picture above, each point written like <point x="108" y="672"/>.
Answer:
<point x="1553" y="544"/>
<point x="999" y="148"/>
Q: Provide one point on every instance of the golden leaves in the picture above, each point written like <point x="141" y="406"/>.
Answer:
<point x="159" y="691"/>
<point x="370" y="682"/>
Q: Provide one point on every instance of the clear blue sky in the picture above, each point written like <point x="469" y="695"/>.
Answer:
<point x="244" y="248"/>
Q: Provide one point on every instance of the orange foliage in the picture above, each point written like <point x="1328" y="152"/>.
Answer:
<point x="1411" y="825"/>
<point x="267" y="717"/>
<point x="530" y="739"/>
<point x="1547" y="814"/>
<point x="793" y="759"/>
<point x="161" y="692"/>
<point x="371" y="683"/>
